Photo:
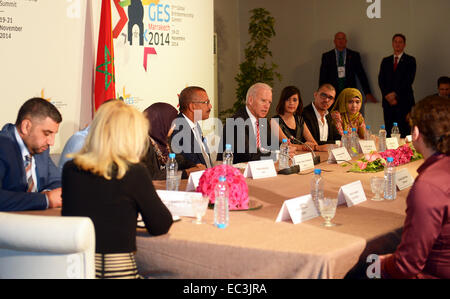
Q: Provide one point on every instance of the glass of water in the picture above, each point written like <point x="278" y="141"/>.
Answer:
<point x="327" y="207"/>
<point x="199" y="205"/>
<point x="377" y="186"/>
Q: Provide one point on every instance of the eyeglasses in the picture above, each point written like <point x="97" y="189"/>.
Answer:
<point x="324" y="96"/>
<point x="202" y="102"/>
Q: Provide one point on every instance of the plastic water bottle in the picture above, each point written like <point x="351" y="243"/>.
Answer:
<point x="284" y="155"/>
<point x="346" y="142"/>
<point x="221" y="203"/>
<point x="171" y="173"/>
<point x="354" y="142"/>
<point x="382" y="139"/>
<point x="317" y="187"/>
<point x="228" y="155"/>
<point x="390" y="188"/>
<point x="368" y="133"/>
<point x="395" y="132"/>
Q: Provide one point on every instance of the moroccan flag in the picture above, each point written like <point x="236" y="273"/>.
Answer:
<point x="105" y="87"/>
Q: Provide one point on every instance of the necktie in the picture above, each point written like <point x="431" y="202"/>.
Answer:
<point x="258" y="138"/>
<point x="341" y="58"/>
<point x="29" y="173"/>
<point x="395" y="62"/>
<point x="202" y="146"/>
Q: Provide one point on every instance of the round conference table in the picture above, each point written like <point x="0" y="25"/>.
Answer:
<point x="255" y="246"/>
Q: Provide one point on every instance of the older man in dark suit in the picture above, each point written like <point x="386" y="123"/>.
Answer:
<point x="248" y="130"/>
<point x="341" y="66"/>
<point x="397" y="73"/>
<point x="187" y="137"/>
<point x="29" y="180"/>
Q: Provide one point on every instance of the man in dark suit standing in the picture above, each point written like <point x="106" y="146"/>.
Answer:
<point x="341" y="66"/>
<point x="397" y="73"/>
<point x="187" y="137"/>
<point x="317" y="117"/>
<point x="248" y="130"/>
<point x="29" y="180"/>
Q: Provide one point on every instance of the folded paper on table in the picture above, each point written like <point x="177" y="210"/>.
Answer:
<point x="367" y="146"/>
<point x="298" y="209"/>
<point x="179" y="203"/>
<point x="341" y="155"/>
<point x="351" y="194"/>
<point x="304" y="161"/>
<point x="193" y="180"/>
<point x="260" y="169"/>
<point x="403" y="179"/>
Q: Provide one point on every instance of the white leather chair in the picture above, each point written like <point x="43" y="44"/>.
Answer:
<point x="46" y="247"/>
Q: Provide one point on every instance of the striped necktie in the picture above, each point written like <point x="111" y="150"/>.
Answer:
<point x="203" y="146"/>
<point x="395" y="63"/>
<point x="29" y="173"/>
<point x="258" y="137"/>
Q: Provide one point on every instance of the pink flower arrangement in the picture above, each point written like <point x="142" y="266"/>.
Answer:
<point x="237" y="186"/>
<point x="368" y="158"/>
<point x="401" y="155"/>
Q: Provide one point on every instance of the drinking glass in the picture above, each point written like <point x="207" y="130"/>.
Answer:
<point x="199" y="205"/>
<point x="377" y="186"/>
<point x="327" y="207"/>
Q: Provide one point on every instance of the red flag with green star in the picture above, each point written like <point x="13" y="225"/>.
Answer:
<point x="105" y="88"/>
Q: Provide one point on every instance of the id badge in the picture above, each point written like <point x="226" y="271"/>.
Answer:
<point x="341" y="71"/>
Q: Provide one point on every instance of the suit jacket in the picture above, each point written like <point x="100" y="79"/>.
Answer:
<point x="13" y="183"/>
<point x="245" y="152"/>
<point x="311" y="121"/>
<point x="183" y="141"/>
<point x="399" y="81"/>
<point x="353" y="69"/>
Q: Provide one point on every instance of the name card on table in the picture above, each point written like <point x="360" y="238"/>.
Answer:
<point x="341" y="155"/>
<point x="367" y="146"/>
<point x="392" y="143"/>
<point x="298" y="209"/>
<point x="260" y="169"/>
<point x="408" y="138"/>
<point x="352" y="194"/>
<point x="404" y="179"/>
<point x="193" y="180"/>
<point x="304" y="161"/>
<point x="179" y="203"/>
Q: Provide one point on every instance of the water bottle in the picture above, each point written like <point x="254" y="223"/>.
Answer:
<point x="171" y="173"/>
<point x="395" y="132"/>
<point x="221" y="203"/>
<point x="228" y="155"/>
<point x="382" y="139"/>
<point x="284" y="155"/>
<point x="368" y="133"/>
<point x="346" y="142"/>
<point x="390" y="188"/>
<point x="317" y="187"/>
<point x="354" y="142"/>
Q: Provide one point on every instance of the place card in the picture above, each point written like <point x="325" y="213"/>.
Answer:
<point x="403" y="179"/>
<point x="392" y="143"/>
<point x="341" y="155"/>
<point x="367" y="146"/>
<point x="338" y="142"/>
<point x="304" y="161"/>
<point x="179" y="203"/>
<point x="352" y="194"/>
<point x="193" y="180"/>
<point x="298" y="209"/>
<point x="260" y="169"/>
<point x="408" y="138"/>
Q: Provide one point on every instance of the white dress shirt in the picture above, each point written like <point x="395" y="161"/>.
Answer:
<point x="323" y="126"/>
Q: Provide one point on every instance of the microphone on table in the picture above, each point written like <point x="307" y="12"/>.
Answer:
<point x="316" y="158"/>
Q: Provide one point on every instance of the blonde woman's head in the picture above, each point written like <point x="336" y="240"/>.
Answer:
<point x="118" y="136"/>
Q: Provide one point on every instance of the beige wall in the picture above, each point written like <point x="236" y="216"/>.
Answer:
<point x="305" y="29"/>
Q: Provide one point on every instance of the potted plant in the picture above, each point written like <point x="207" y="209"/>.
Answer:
<point x="256" y="67"/>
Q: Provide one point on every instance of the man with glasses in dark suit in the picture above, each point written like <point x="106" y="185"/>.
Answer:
<point x="187" y="137"/>
<point x="317" y="117"/>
